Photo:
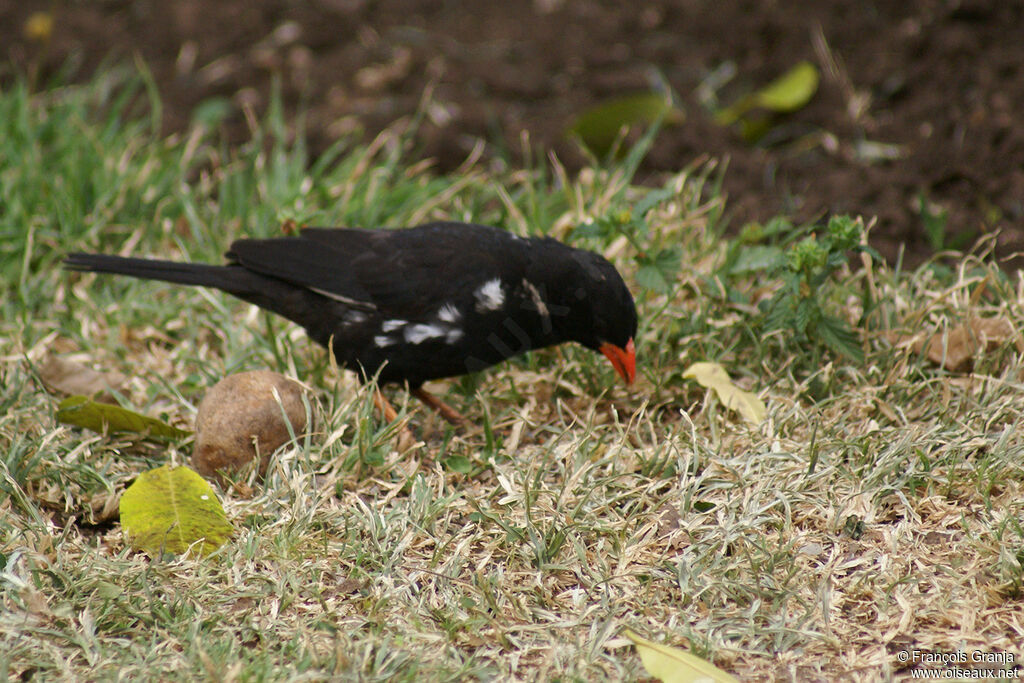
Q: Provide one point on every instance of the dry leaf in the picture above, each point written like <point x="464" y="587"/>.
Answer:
<point x="672" y="665"/>
<point x="69" y="377"/>
<point x="713" y="376"/>
<point x="956" y="348"/>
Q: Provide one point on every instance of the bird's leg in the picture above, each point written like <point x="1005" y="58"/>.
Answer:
<point x="384" y="406"/>
<point x="405" y="435"/>
<point x="442" y="408"/>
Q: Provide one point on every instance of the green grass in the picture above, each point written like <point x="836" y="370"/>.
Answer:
<point x="877" y="510"/>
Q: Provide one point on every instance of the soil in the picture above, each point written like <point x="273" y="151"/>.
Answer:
<point x="918" y="113"/>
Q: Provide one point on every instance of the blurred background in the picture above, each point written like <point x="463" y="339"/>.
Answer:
<point x="912" y="112"/>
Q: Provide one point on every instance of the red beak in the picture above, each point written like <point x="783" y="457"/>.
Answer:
<point x="623" y="360"/>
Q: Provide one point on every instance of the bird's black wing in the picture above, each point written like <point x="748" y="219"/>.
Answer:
<point x="307" y="263"/>
<point x="402" y="273"/>
<point x="411" y="272"/>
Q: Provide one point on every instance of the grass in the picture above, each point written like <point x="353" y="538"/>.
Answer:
<point x="877" y="510"/>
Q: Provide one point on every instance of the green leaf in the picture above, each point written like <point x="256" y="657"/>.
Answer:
<point x="211" y="111"/>
<point x="672" y="665"/>
<point x="758" y="258"/>
<point x="778" y="311"/>
<point x="649" y="277"/>
<point x="838" y="337"/>
<point x="604" y="227"/>
<point x="458" y="463"/>
<point x="791" y="91"/>
<point x="652" y="199"/>
<point x="787" y="93"/>
<point x="81" y="411"/>
<point x="658" y="271"/>
<point x="844" y="232"/>
<point x="173" y="509"/>
<point x="590" y="229"/>
<point x="599" y="127"/>
<point x="806" y="314"/>
<point x="669" y="260"/>
<point x="777" y="227"/>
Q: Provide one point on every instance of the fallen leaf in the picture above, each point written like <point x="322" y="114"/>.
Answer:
<point x="66" y="376"/>
<point x="714" y="376"/>
<point x="672" y="665"/>
<point x="173" y="509"/>
<point x="81" y="411"/>
<point x="956" y="347"/>
<point x="599" y="127"/>
<point x="38" y="27"/>
<point x="789" y="92"/>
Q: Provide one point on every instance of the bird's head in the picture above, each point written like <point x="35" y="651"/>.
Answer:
<point x="593" y="306"/>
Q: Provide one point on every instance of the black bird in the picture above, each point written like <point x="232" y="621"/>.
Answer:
<point x="415" y="304"/>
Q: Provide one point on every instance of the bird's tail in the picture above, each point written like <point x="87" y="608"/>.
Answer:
<point x="203" y="274"/>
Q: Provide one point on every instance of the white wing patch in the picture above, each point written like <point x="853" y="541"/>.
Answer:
<point x="354" y="318"/>
<point x="489" y="296"/>
<point x="419" y="333"/>
<point x="449" y="314"/>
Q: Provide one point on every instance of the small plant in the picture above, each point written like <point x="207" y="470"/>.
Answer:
<point x="658" y="264"/>
<point x="805" y="267"/>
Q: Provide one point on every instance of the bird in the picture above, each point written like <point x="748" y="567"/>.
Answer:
<point x="409" y="305"/>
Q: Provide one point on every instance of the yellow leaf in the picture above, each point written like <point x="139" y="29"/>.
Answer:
<point x="714" y="376"/>
<point x="173" y="510"/>
<point x="789" y="92"/>
<point x="672" y="665"/>
<point x="38" y="27"/>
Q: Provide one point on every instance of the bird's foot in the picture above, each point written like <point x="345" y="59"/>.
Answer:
<point x="406" y="439"/>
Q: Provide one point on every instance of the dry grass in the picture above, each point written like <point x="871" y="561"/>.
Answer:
<point x="878" y="509"/>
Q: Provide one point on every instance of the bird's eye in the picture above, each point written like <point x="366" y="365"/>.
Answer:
<point x="581" y="293"/>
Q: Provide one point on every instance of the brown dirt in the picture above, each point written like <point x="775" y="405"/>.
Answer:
<point x="942" y="80"/>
